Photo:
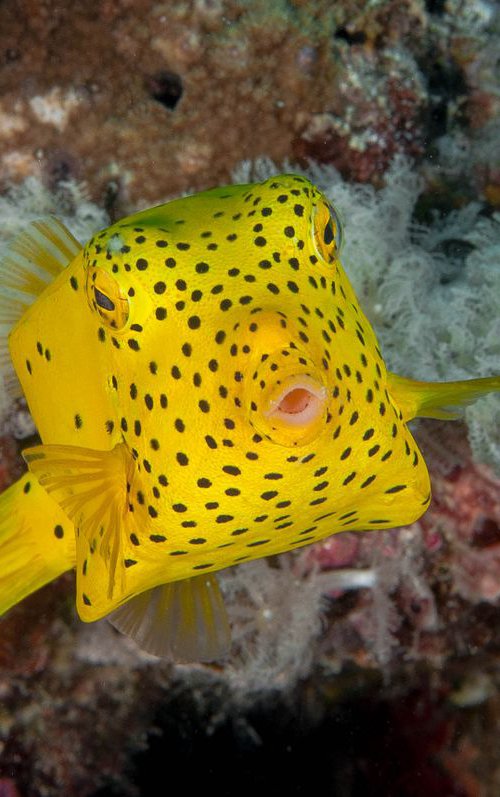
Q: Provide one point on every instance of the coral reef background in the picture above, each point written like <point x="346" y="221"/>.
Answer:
<point x="370" y="658"/>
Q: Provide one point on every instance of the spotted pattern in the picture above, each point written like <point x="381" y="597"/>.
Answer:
<point x="201" y="311"/>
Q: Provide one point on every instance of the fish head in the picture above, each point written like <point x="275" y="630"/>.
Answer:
<point x="248" y="384"/>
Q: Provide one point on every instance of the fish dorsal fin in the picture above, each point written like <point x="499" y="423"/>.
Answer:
<point x="182" y="621"/>
<point x="91" y="488"/>
<point x="32" y="261"/>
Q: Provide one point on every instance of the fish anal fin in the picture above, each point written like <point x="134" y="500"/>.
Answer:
<point x="91" y="488"/>
<point x="182" y="621"/>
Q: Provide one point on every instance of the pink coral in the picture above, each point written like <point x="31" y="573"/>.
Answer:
<point x="423" y="573"/>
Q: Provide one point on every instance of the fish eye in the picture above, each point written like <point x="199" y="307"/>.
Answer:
<point x="106" y="297"/>
<point x="327" y="231"/>
<point x="103" y="301"/>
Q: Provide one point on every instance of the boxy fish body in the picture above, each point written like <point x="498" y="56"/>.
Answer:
<point x="207" y="391"/>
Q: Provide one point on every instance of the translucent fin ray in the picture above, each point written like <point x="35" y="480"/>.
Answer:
<point x="32" y="262"/>
<point x="91" y="487"/>
<point x="182" y="621"/>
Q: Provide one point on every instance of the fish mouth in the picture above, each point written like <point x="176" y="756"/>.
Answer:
<point x="298" y="404"/>
<point x="287" y="397"/>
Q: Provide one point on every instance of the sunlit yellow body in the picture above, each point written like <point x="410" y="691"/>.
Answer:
<point x="208" y="391"/>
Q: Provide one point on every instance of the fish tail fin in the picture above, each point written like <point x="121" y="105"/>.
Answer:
<point x="438" y="399"/>
<point x="36" y="541"/>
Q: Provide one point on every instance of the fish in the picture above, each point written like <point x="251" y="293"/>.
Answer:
<point x="207" y="391"/>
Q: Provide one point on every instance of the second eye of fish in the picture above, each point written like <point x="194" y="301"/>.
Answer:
<point x="328" y="235"/>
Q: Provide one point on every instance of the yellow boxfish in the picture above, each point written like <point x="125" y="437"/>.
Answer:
<point x="207" y="391"/>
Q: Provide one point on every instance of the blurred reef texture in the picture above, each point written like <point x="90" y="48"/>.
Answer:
<point x="372" y="659"/>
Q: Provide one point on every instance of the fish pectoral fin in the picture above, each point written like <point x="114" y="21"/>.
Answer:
<point x="32" y="261"/>
<point x="91" y="488"/>
<point x="442" y="400"/>
<point x="183" y="621"/>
